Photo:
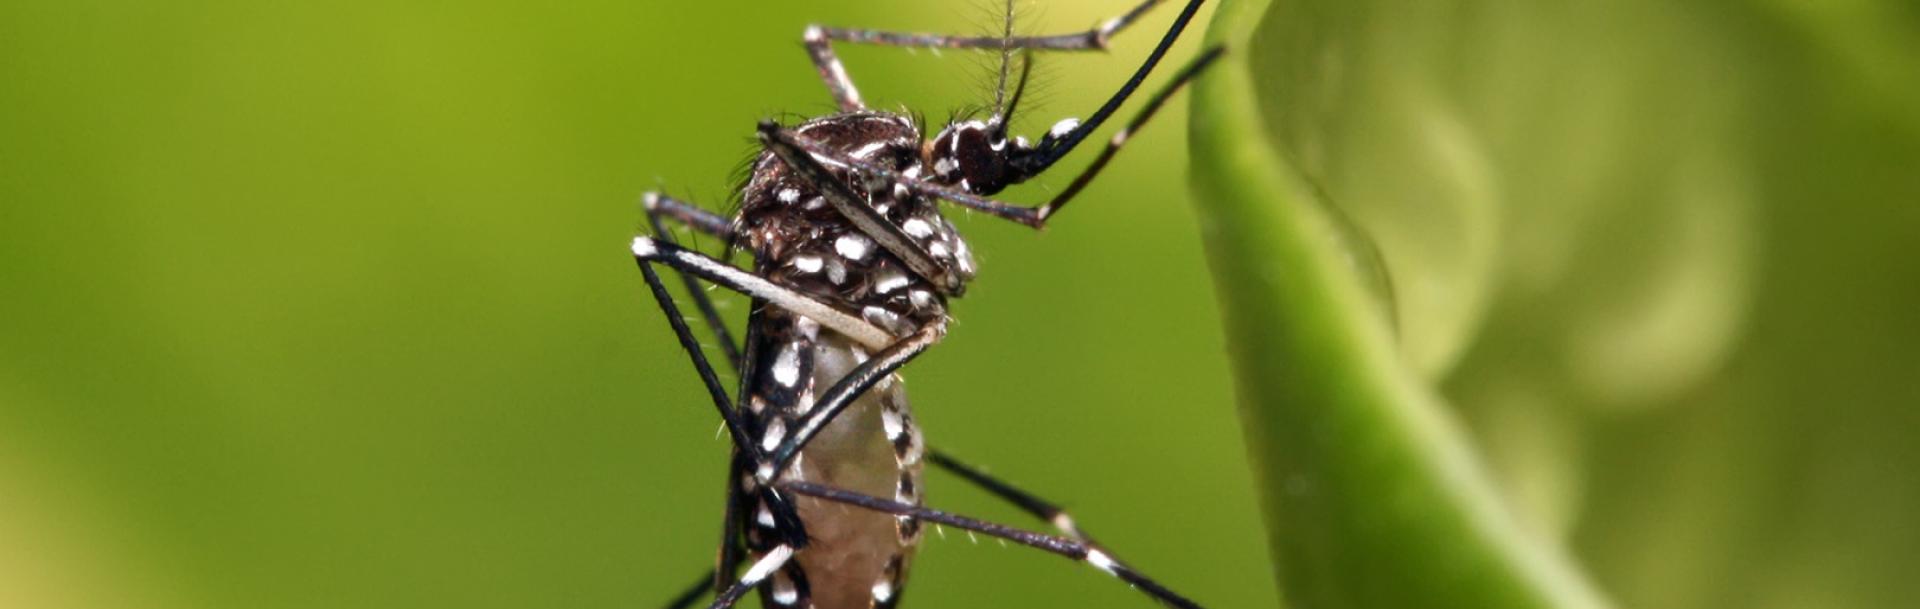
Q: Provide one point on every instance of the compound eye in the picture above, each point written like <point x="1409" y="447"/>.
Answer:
<point x="982" y="160"/>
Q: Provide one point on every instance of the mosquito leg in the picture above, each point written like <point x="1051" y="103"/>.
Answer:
<point x="1120" y="138"/>
<point x="730" y="542"/>
<point x="834" y="73"/>
<point x="1053" y="149"/>
<point x="1035" y="217"/>
<point x="1040" y="508"/>
<point x="1027" y="502"/>
<point x="735" y="427"/>
<point x="843" y="392"/>
<point x="660" y="206"/>
<point x="1091" y="40"/>
<point x="647" y="249"/>
<point x="820" y="39"/>
<point x="755" y="575"/>
<point x="1058" y="545"/>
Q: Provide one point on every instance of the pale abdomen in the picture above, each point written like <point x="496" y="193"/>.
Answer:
<point x="855" y="558"/>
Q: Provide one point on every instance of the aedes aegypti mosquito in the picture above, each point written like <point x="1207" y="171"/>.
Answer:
<point x="853" y="265"/>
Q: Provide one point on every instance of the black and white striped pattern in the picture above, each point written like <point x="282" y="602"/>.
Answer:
<point x="853" y="265"/>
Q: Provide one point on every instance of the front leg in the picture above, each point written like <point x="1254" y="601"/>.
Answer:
<point x="1035" y="217"/>
<point x="819" y="41"/>
<point x="1069" y="548"/>
<point x="661" y="207"/>
<point x="648" y="249"/>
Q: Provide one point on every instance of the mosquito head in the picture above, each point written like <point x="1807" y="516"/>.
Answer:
<point x="979" y="157"/>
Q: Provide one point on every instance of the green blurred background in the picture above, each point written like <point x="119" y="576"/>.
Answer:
<point x="328" y="305"/>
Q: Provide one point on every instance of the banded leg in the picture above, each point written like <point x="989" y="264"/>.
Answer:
<point x="843" y="392"/>
<point x="782" y="509"/>
<point x="1057" y="545"/>
<point x="1033" y="505"/>
<point x="735" y="427"/>
<point x="1035" y="217"/>
<point x="1052" y="149"/>
<point x="647" y="249"/>
<point x="756" y="575"/>
<point x="892" y="353"/>
<point x="660" y="206"/>
<point x="819" y="41"/>
<point x="1180" y="81"/>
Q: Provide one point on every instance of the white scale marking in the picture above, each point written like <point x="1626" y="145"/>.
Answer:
<point x="788" y="195"/>
<point x="786" y="367"/>
<point x="766" y="566"/>
<point x="1064" y="127"/>
<point x="753" y="285"/>
<point x="808" y="264"/>
<point x="854" y="247"/>
<point x="917" y="228"/>
<point x="1065" y="523"/>
<point x="1101" y="561"/>
<point x="644" y="248"/>
<point x="836" y="272"/>
<point x="776" y="433"/>
<point x="783" y="591"/>
<point x="880" y="316"/>
<point x="892" y="281"/>
<point x="890" y="421"/>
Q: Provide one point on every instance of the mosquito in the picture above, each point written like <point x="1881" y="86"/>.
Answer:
<point x="853" y="264"/>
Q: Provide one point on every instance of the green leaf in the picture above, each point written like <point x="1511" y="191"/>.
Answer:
<point x="1373" y="495"/>
<point x="1627" y="281"/>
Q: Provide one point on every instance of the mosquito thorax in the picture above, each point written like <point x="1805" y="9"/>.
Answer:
<point x="799" y="240"/>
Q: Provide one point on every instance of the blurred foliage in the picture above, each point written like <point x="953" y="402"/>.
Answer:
<point x="1657" y="257"/>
